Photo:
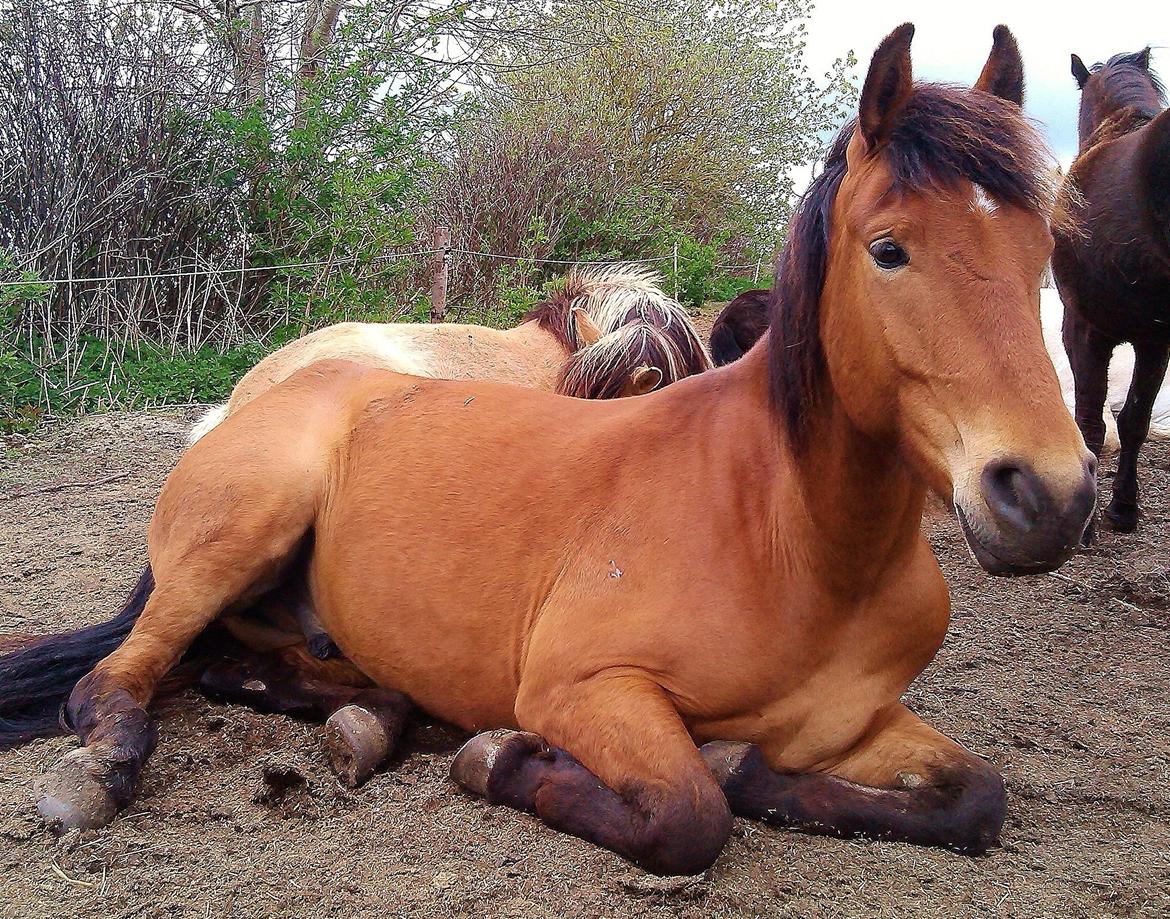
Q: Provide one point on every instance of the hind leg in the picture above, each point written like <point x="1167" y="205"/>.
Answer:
<point x="222" y="532"/>
<point x="362" y="723"/>
<point x="1088" y="353"/>
<point x="1133" y="424"/>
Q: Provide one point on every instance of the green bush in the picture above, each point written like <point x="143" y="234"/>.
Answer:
<point x="111" y="376"/>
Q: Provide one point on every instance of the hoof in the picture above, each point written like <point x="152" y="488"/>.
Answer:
<point x="476" y="759"/>
<point x="72" y="795"/>
<point x="1122" y="519"/>
<point x="725" y="759"/>
<point x="322" y="647"/>
<point x="358" y="743"/>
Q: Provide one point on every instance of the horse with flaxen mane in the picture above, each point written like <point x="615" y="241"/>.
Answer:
<point x="739" y="325"/>
<point x="665" y="610"/>
<point x="592" y="303"/>
<point x="1112" y="258"/>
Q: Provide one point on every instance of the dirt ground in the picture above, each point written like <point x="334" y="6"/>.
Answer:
<point x="1060" y="680"/>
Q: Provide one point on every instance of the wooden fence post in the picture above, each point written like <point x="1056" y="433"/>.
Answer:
<point x="439" y="284"/>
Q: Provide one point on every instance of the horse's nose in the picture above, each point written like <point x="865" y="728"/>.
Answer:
<point x="1022" y="503"/>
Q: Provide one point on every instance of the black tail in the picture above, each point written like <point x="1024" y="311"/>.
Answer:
<point x="37" y="678"/>
<point x="724" y="347"/>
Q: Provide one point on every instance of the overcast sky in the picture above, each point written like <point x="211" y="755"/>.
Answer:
<point x="952" y="40"/>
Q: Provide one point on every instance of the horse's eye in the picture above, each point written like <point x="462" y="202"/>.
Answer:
<point x="888" y="254"/>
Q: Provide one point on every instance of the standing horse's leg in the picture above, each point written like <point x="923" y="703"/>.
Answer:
<point x="1089" y="353"/>
<point x="631" y="781"/>
<point x="904" y="782"/>
<point x="362" y="724"/>
<point x="1133" y="424"/>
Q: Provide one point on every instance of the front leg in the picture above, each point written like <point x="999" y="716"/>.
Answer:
<point x="624" y="773"/>
<point x="1133" y="425"/>
<point x="904" y="782"/>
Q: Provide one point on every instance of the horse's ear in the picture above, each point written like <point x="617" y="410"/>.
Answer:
<point x="587" y="331"/>
<point x="1003" y="74"/>
<point x="644" y="380"/>
<point x="1079" y="71"/>
<point x="887" y="86"/>
<point x="1143" y="57"/>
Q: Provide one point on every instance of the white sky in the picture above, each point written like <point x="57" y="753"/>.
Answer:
<point x="952" y="39"/>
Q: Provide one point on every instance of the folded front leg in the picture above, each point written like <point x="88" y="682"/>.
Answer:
<point x="628" y="776"/>
<point x="905" y="782"/>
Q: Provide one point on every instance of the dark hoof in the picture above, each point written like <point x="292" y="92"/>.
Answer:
<point x="72" y="795"/>
<point x="1121" y="519"/>
<point x="323" y="648"/>
<point x="358" y="743"/>
<point x="479" y="757"/>
<point x="725" y="758"/>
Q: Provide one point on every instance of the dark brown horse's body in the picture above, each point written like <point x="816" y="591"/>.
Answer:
<point x="1111" y="261"/>
<point x="740" y="325"/>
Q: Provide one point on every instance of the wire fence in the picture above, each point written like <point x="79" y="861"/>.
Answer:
<point x="217" y="271"/>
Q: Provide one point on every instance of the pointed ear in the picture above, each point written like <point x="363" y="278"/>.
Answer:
<point x="1080" y="72"/>
<point x="1003" y="74"/>
<point x="887" y="86"/>
<point x="644" y="380"/>
<point x="1143" y="57"/>
<point x="587" y="331"/>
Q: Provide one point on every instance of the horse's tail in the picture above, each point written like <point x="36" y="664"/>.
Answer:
<point x="724" y="347"/>
<point x="211" y="418"/>
<point x="1153" y="157"/>
<point x="38" y="675"/>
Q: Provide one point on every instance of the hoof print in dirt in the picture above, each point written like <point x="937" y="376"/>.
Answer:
<point x="283" y="785"/>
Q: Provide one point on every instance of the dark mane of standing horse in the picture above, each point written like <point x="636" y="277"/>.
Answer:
<point x="943" y="134"/>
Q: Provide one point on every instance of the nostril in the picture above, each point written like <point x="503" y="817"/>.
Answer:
<point x="1012" y="493"/>
<point x="1091" y="467"/>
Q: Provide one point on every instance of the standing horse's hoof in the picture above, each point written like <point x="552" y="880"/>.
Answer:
<point x="1122" y="518"/>
<point x="358" y="743"/>
<point x="72" y="796"/>
<point x="493" y="753"/>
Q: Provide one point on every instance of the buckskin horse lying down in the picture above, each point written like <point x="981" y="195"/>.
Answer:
<point x="702" y="602"/>
<point x="608" y="331"/>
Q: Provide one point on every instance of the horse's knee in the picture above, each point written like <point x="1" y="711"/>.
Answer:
<point x="973" y="820"/>
<point x="685" y="833"/>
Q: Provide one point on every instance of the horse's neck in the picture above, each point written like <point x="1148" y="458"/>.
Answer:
<point x="846" y="504"/>
<point x="532" y="334"/>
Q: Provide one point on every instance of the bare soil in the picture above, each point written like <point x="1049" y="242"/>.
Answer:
<point x="1060" y="680"/>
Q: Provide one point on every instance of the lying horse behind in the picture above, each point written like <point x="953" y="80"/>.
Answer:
<point x="590" y="308"/>
<point x="1112" y="260"/>
<point x="739" y="325"/>
<point x="665" y="610"/>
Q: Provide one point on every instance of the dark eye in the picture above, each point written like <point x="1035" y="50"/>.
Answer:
<point x="888" y="254"/>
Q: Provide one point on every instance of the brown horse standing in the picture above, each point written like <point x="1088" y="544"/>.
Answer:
<point x="735" y="560"/>
<point x="1112" y="260"/>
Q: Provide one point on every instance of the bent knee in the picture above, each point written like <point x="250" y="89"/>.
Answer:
<point x="973" y="822"/>
<point x="685" y="833"/>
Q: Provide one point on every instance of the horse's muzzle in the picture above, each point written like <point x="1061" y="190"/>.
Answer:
<point x="1022" y="524"/>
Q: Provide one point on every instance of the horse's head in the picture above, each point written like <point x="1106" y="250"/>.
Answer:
<point x="1123" y="81"/>
<point x="934" y="210"/>
<point x="634" y="359"/>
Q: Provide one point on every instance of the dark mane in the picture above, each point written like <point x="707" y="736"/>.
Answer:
<point x="943" y="135"/>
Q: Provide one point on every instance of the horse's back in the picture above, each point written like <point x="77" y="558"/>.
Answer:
<point x="1110" y="265"/>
